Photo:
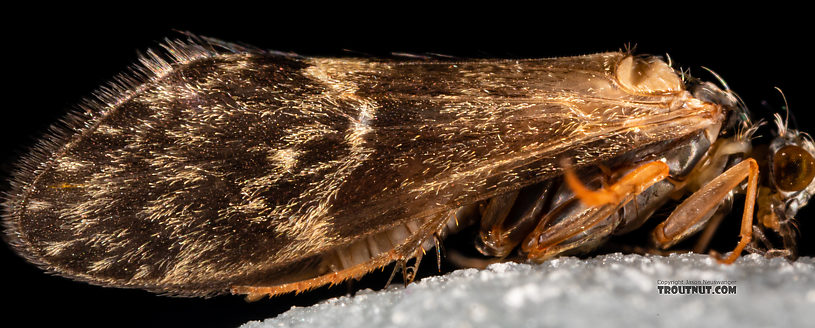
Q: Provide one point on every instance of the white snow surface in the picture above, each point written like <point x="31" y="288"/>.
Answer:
<point x="606" y="291"/>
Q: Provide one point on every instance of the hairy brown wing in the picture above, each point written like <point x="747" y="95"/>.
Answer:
<point x="225" y="169"/>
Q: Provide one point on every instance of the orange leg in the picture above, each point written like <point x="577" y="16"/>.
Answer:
<point x="632" y="183"/>
<point x="594" y="218"/>
<point x="746" y="233"/>
<point x="689" y="216"/>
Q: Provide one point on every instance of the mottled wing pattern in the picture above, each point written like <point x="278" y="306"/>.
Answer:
<point x="240" y="168"/>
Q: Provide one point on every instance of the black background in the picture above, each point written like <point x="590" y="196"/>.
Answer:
<point x="52" y="61"/>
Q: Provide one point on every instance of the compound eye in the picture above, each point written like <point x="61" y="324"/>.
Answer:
<point x="793" y="168"/>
